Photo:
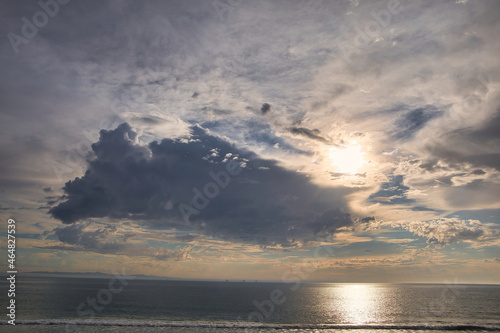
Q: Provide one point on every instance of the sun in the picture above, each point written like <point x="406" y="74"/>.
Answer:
<point x="347" y="159"/>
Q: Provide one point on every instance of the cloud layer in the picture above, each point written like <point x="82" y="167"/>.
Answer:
<point x="269" y="84"/>
<point x="225" y="191"/>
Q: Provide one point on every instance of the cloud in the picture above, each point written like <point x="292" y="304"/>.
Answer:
<point x="86" y="236"/>
<point x="265" y="108"/>
<point x="179" y="65"/>
<point x="47" y="189"/>
<point x="408" y="257"/>
<point x="256" y="134"/>
<point x="475" y="141"/>
<point x="98" y="239"/>
<point x="187" y="238"/>
<point x="311" y="134"/>
<point x="489" y="131"/>
<point x="440" y="231"/>
<point x="265" y="203"/>
<point x="478" y="172"/>
<point x="446" y="231"/>
<point x="412" y="121"/>
<point x="392" y="192"/>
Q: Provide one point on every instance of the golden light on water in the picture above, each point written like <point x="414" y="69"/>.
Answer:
<point x="347" y="159"/>
<point x="357" y="303"/>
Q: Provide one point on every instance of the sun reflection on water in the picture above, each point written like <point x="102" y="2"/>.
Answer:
<point x="357" y="303"/>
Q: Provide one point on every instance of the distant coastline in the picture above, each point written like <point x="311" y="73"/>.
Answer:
<point x="101" y="275"/>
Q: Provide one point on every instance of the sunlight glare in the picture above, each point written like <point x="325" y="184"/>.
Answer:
<point x="348" y="159"/>
<point x="357" y="303"/>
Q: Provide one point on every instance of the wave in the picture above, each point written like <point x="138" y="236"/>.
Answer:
<point x="201" y="324"/>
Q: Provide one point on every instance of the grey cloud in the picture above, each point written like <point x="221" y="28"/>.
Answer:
<point x="432" y="165"/>
<point x="77" y="234"/>
<point x="312" y="134"/>
<point x="150" y="120"/>
<point x="85" y="236"/>
<point x="340" y="89"/>
<point x="453" y="153"/>
<point x="222" y="112"/>
<point x="187" y="238"/>
<point x="52" y="199"/>
<point x="476" y="192"/>
<point x="424" y="209"/>
<point x="265" y="204"/>
<point x="490" y="131"/>
<point x="448" y="179"/>
<point x="265" y="108"/>
<point x="475" y="145"/>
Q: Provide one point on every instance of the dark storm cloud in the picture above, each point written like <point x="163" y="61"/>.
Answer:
<point x="392" y="192"/>
<point x="265" y="108"/>
<point x="312" y="134"/>
<point x="265" y="203"/>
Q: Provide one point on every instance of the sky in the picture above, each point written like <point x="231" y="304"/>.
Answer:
<point x="339" y="141"/>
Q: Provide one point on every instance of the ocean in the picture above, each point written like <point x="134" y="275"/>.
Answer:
<point x="64" y="304"/>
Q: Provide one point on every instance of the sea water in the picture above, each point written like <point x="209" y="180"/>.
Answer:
<point x="64" y="304"/>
